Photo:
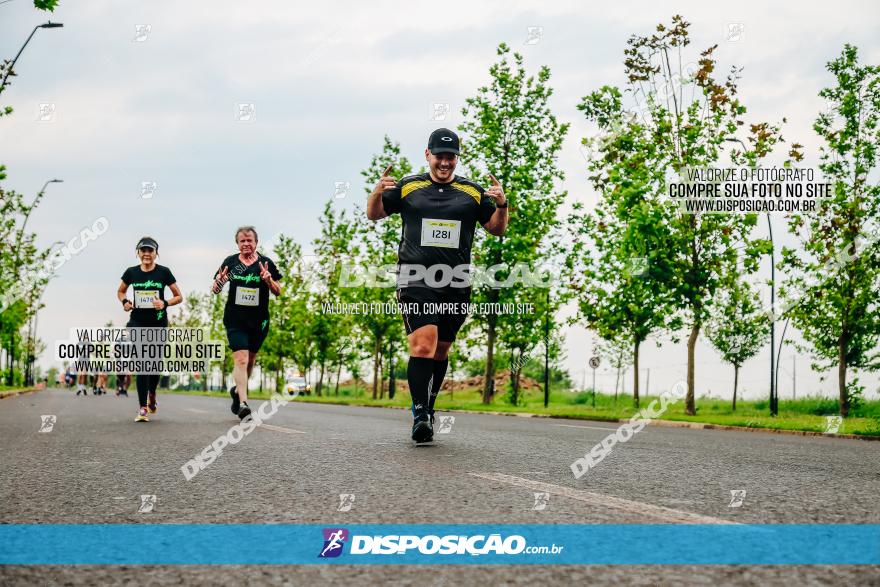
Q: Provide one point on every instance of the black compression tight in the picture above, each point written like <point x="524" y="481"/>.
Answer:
<point x="146" y="384"/>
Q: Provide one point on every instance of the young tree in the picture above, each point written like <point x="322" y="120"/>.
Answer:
<point x="621" y="253"/>
<point x="291" y="319"/>
<point x="331" y="330"/>
<point x="738" y="327"/>
<point x="833" y="282"/>
<point x="691" y="130"/>
<point x="619" y="354"/>
<point x="510" y="132"/>
<point x="195" y="312"/>
<point x="379" y="249"/>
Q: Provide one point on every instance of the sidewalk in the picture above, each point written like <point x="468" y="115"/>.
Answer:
<point x="23" y="391"/>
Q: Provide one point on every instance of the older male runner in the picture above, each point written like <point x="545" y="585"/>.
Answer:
<point x="251" y="277"/>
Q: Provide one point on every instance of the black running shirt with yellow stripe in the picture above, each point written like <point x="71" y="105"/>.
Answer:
<point x="439" y="219"/>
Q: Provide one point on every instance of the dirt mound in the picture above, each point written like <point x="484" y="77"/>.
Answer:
<point x="502" y="383"/>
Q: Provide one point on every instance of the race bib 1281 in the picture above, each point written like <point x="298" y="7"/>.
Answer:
<point x="440" y="233"/>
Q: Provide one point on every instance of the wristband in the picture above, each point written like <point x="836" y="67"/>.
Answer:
<point x="504" y="205"/>
<point x="124" y="301"/>
<point x="166" y="304"/>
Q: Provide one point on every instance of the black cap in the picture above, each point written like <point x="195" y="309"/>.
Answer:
<point x="443" y="140"/>
<point x="147" y="242"/>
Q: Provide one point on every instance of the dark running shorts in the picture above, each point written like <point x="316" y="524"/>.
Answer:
<point x="421" y="306"/>
<point x="250" y="338"/>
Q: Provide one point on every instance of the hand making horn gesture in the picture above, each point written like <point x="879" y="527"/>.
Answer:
<point x="386" y="182"/>
<point x="496" y="193"/>
<point x="221" y="279"/>
<point x="264" y="272"/>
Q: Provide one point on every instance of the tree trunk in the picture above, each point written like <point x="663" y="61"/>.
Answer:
<point x="841" y="374"/>
<point x="690" y="408"/>
<point x="376" y="344"/>
<point x="735" y="382"/>
<point x="381" y="376"/>
<point x="488" y="387"/>
<point x="616" y="383"/>
<point x="636" y="373"/>
<point x="514" y="379"/>
<point x="320" y="380"/>
<point x="338" y="374"/>
<point x="10" y="357"/>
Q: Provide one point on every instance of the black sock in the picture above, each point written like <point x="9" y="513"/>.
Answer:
<point x="439" y="374"/>
<point x="419" y="373"/>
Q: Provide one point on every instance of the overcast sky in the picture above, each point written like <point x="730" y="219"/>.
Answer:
<point x="328" y="80"/>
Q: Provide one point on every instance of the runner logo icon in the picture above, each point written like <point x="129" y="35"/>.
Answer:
<point x="334" y="540"/>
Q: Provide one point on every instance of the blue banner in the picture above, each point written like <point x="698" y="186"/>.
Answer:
<point x="541" y="544"/>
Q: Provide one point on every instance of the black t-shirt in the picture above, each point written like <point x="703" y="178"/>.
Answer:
<point x="439" y="220"/>
<point x="248" y="303"/>
<point x="147" y="286"/>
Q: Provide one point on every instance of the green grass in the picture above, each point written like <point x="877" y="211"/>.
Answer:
<point x="806" y="414"/>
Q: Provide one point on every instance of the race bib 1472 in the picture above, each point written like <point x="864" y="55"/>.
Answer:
<point x="247" y="296"/>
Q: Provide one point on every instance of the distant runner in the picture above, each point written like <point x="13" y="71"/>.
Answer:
<point x="440" y="212"/>
<point x="251" y="277"/>
<point x="148" y="281"/>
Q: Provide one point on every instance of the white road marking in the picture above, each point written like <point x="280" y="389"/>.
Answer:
<point x="197" y="411"/>
<point x="597" y="499"/>
<point x="590" y="427"/>
<point x="280" y="429"/>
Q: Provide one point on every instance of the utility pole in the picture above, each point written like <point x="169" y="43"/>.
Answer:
<point x="648" y="382"/>
<point x="774" y="396"/>
<point x="793" y="378"/>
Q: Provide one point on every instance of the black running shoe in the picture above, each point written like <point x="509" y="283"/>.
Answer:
<point x="422" y="430"/>
<point x="244" y="411"/>
<point x="235" y="400"/>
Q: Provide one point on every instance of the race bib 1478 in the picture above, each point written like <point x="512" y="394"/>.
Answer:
<point x="143" y="298"/>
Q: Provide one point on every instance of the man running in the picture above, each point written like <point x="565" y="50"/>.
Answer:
<point x="148" y="281"/>
<point x="251" y="277"/>
<point x="440" y="211"/>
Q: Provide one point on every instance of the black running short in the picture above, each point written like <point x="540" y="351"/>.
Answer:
<point x="248" y="338"/>
<point x="421" y="306"/>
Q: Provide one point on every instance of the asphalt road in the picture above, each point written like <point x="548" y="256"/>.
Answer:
<point x="96" y="463"/>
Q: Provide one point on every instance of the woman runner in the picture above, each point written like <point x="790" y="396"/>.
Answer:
<point x="148" y="281"/>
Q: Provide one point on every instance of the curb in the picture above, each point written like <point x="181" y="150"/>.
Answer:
<point x="17" y="392"/>
<point x="666" y="423"/>
<point x="705" y="426"/>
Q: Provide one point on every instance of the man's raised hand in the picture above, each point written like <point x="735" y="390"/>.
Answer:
<point x="264" y="272"/>
<point x="221" y="279"/>
<point x="495" y="192"/>
<point x="386" y="182"/>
